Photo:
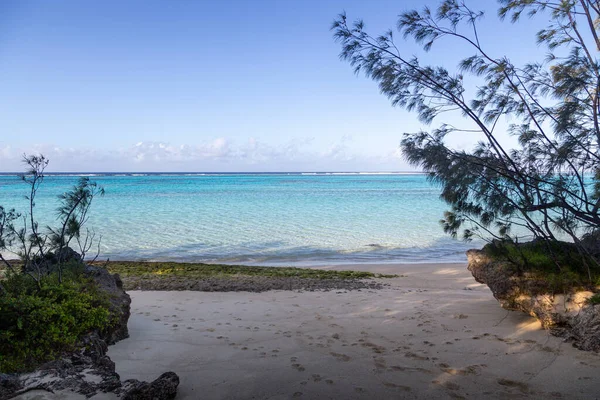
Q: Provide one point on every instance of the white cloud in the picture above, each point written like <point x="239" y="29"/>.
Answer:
<point x="217" y="154"/>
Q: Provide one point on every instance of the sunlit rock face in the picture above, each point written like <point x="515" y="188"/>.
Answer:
<point x="566" y="314"/>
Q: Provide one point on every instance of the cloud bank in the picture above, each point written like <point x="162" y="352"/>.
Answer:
<point x="218" y="155"/>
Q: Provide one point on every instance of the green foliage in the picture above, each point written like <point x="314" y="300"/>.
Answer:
<point x="21" y="234"/>
<point x="595" y="299"/>
<point x="539" y="261"/>
<point x="36" y="325"/>
<point x="547" y="186"/>
<point x="46" y="305"/>
<point x="199" y="270"/>
<point x="539" y="255"/>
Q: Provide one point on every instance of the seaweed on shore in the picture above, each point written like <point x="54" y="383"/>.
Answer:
<point x="142" y="275"/>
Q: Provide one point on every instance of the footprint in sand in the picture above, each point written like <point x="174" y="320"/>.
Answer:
<point x="380" y="363"/>
<point x="298" y="367"/>
<point x="340" y="357"/>
<point x="523" y="387"/>
<point x="408" y="369"/>
<point x="415" y="356"/>
<point x="396" y="386"/>
<point x="470" y="370"/>
<point x="297" y="394"/>
<point x="376" y="348"/>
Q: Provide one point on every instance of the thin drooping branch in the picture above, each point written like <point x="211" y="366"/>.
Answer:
<point x="543" y="185"/>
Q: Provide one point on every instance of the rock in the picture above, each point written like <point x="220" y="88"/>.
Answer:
<point x="49" y="263"/>
<point x="566" y="314"/>
<point x="591" y="242"/>
<point x="164" y="387"/>
<point x="9" y="385"/>
<point x="119" y="302"/>
<point x="585" y="329"/>
<point x="88" y="370"/>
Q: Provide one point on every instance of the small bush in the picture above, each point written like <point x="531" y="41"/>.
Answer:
<point x="542" y="256"/>
<point x="595" y="299"/>
<point x="36" y="325"/>
<point x="558" y="264"/>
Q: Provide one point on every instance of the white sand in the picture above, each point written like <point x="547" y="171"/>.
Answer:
<point x="426" y="336"/>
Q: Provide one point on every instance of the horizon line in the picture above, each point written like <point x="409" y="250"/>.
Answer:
<point x="212" y="172"/>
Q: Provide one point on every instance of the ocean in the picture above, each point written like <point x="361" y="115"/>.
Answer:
<point x="299" y="219"/>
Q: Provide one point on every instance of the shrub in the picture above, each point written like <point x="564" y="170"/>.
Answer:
<point x="558" y="264"/>
<point x="46" y="303"/>
<point x="36" y="325"/>
<point x="595" y="299"/>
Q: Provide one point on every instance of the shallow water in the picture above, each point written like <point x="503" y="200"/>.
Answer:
<point x="270" y="219"/>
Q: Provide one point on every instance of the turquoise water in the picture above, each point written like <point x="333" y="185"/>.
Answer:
<point x="269" y="219"/>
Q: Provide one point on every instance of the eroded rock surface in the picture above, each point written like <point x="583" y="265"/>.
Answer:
<point x="119" y="300"/>
<point x="568" y="315"/>
<point x="89" y="371"/>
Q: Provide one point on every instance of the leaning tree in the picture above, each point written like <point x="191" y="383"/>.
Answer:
<point x="549" y="184"/>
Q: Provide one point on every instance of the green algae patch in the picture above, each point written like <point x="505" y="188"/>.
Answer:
<point x="200" y="271"/>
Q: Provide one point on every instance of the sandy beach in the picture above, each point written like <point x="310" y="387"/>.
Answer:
<point x="432" y="333"/>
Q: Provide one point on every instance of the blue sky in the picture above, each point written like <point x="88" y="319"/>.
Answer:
<point x="182" y="85"/>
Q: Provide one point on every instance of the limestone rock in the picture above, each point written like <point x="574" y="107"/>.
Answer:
<point x="119" y="302"/>
<point x="585" y="329"/>
<point x="164" y="387"/>
<point x="566" y="314"/>
<point x="88" y="370"/>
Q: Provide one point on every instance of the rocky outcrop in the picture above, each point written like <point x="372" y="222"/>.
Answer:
<point x="119" y="302"/>
<point x="164" y="387"/>
<point x="88" y="370"/>
<point x="51" y="260"/>
<point x="567" y="314"/>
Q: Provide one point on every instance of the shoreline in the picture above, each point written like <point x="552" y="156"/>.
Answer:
<point x="433" y="332"/>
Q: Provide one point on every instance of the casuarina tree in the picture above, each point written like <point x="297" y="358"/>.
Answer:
<point x="548" y="185"/>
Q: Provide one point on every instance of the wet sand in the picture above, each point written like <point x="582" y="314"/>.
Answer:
<point x="433" y="333"/>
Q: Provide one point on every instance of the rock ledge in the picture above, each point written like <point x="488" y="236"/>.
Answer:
<point x="89" y="371"/>
<point x="567" y="315"/>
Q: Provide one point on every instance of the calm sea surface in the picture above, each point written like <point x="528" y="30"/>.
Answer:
<point x="269" y="219"/>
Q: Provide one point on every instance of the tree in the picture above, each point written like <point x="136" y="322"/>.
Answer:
<point x="36" y="248"/>
<point x="549" y="185"/>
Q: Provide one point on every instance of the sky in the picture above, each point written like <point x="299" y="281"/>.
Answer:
<point x="194" y="85"/>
